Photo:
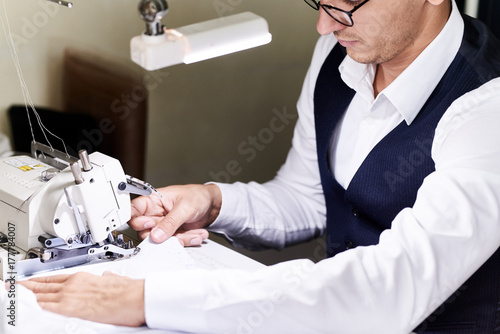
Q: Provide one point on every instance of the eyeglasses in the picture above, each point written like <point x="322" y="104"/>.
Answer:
<point x="339" y="15"/>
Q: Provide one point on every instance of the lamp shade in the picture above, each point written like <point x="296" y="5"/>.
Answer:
<point x="200" y="41"/>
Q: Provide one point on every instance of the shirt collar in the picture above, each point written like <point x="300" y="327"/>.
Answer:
<point x="412" y="88"/>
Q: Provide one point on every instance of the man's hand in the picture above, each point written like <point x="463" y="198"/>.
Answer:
<point x="108" y="299"/>
<point x="183" y="211"/>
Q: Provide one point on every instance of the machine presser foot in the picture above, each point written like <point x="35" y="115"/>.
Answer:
<point x="49" y="258"/>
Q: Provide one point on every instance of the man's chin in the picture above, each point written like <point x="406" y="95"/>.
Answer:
<point x="360" y="57"/>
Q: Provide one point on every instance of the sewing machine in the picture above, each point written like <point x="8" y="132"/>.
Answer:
<point x="59" y="212"/>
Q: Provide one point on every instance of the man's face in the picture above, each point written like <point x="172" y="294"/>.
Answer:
<point x="383" y="30"/>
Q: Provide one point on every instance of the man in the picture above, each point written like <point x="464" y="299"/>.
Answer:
<point x="404" y="131"/>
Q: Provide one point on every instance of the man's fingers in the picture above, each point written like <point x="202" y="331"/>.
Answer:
<point x="143" y="222"/>
<point x="161" y="232"/>
<point x="67" y="308"/>
<point x="195" y="232"/>
<point x="139" y="206"/>
<point x="192" y="237"/>
<point x="50" y="279"/>
<point x="193" y="205"/>
<point x="143" y="234"/>
<point x="48" y="297"/>
<point x="42" y="288"/>
<point x="147" y="206"/>
<point x="49" y="284"/>
<point x="110" y="273"/>
<point x="91" y="297"/>
<point x="169" y="225"/>
<point x="46" y="284"/>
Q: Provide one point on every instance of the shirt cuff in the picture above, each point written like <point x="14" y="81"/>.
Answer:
<point x="233" y="215"/>
<point x="170" y="296"/>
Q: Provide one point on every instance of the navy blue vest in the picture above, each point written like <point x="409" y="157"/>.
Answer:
<point x="389" y="177"/>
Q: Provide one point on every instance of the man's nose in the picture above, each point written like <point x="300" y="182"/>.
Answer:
<point x="326" y="24"/>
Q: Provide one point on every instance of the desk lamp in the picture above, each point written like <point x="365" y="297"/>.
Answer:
<point x="159" y="47"/>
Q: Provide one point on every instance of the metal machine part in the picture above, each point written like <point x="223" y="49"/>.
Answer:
<point x="50" y="156"/>
<point x="65" y="217"/>
<point x="62" y="3"/>
<point x="77" y="173"/>
<point x="59" y="256"/>
<point x="84" y="158"/>
<point x="137" y="187"/>
<point x="152" y="12"/>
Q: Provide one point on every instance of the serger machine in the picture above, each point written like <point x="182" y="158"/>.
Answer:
<point x="58" y="212"/>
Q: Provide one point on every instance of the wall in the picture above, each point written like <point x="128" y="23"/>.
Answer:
<point x="199" y="114"/>
<point x="42" y="30"/>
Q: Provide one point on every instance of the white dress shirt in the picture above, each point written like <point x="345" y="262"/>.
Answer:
<point x="391" y="287"/>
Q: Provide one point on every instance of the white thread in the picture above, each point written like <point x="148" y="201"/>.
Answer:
<point x="24" y="87"/>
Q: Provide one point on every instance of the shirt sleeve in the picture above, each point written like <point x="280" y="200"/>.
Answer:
<point x="291" y="207"/>
<point x="430" y="250"/>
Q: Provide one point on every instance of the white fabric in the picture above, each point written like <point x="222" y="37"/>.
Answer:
<point x="391" y="287"/>
<point x="25" y="316"/>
